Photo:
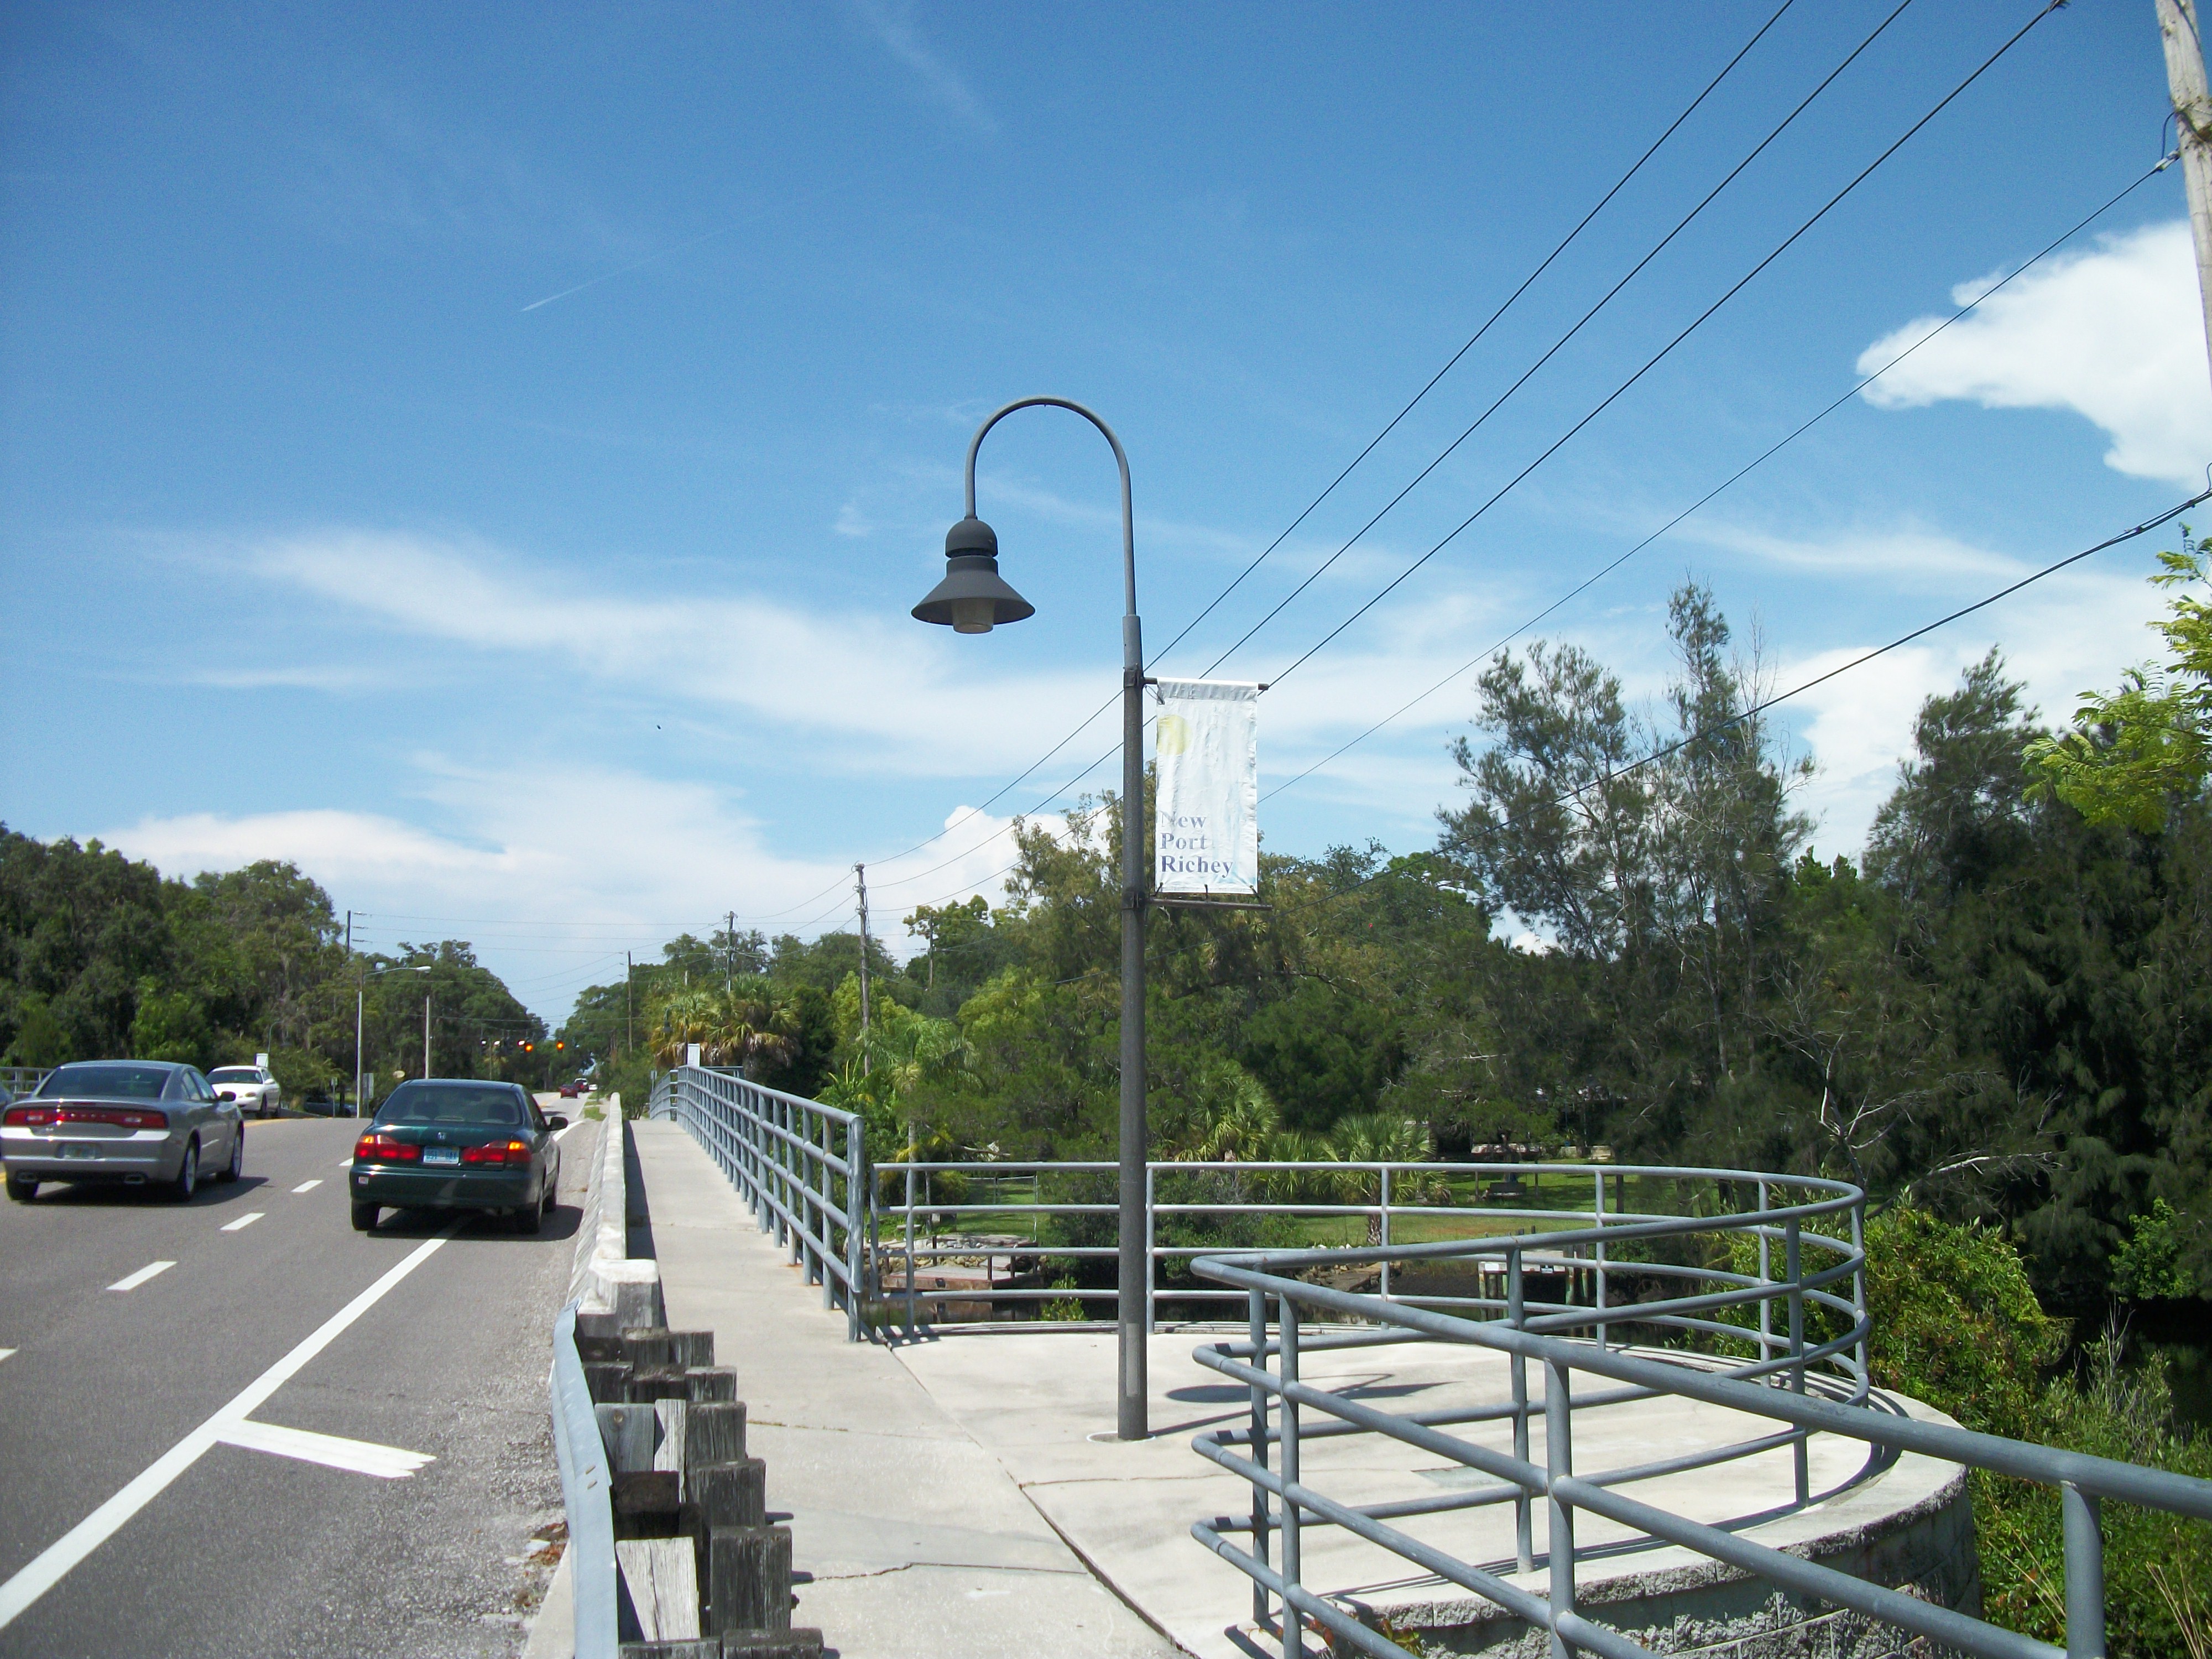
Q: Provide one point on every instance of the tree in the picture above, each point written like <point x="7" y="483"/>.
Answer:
<point x="2133" y="755"/>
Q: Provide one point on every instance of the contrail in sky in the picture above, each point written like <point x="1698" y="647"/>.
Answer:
<point x="650" y="258"/>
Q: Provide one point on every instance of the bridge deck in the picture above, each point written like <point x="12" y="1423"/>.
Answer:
<point x="913" y="1539"/>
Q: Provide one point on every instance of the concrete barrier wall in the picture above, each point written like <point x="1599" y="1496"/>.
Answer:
<point x="607" y="1279"/>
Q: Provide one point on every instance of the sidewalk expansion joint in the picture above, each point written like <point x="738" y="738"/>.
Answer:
<point x="945" y="1566"/>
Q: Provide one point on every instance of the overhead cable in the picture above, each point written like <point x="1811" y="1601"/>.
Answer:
<point x="1666" y="350"/>
<point x="1756" y="461"/>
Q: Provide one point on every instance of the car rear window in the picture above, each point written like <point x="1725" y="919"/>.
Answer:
<point x="452" y="1102"/>
<point x="234" y="1074"/>
<point x="105" y="1082"/>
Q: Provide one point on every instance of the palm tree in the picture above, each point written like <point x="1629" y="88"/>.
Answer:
<point x="1375" y="1138"/>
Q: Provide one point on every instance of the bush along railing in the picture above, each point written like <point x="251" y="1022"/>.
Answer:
<point x="801" y="1166"/>
<point x="1788" y="1348"/>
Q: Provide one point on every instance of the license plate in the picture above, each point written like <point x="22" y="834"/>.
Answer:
<point x="79" y="1149"/>
<point x="441" y="1155"/>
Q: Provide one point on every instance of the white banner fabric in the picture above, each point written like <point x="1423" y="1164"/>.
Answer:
<point x="1206" y="828"/>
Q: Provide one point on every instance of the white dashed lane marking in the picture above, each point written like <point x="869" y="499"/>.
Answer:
<point x="308" y="1186"/>
<point x="132" y="1281"/>
<point x="4" y="1352"/>
<point x="244" y="1221"/>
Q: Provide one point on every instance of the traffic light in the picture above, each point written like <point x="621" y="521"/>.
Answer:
<point x="560" y="1045"/>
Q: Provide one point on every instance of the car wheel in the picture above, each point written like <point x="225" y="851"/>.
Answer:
<point x="188" y="1173"/>
<point x="528" y="1221"/>
<point x="364" y="1217"/>
<point x="22" y="1187"/>
<point x="236" y="1167"/>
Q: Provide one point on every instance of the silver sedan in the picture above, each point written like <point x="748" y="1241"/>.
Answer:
<point x="138" y="1122"/>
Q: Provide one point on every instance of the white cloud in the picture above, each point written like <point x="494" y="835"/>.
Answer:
<point x="901" y="696"/>
<point x="2116" y="335"/>
<point x="892" y="25"/>
<point x="551" y="892"/>
<point x="1910" y="555"/>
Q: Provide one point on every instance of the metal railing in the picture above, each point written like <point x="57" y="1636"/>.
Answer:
<point x="1411" y="1203"/>
<point x="802" y="1166"/>
<point x="586" y="1493"/>
<point x="1808" y="1377"/>
<point x="21" y="1080"/>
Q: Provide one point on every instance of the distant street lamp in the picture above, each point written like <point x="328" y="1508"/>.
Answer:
<point x="973" y="598"/>
<point x="359" y="991"/>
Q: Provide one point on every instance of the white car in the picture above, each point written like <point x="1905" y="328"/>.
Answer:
<point x="253" y="1088"/>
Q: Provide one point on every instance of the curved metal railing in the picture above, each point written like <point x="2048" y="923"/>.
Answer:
<point x="1709" y="1336"/>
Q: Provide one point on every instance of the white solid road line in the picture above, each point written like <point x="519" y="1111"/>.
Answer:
<point x="4" y="1352"/>
<point x="361" y="1457"/>
<point x="53" y="1563"/>
<point x="244" y="1221"/>
<point x="310" y="1186"/>
<point x="132" y="1281"/>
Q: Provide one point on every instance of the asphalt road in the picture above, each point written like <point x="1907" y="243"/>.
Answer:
<point x="245" y="1550"/>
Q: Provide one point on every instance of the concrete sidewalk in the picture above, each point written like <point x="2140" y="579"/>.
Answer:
<point x="908" y="1538"/>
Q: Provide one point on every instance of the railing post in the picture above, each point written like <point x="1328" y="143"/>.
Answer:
<point x="909" y="1235"/>
<point x="1386" y="1232"/>
<point x="1558" y="1461"/>
<point x="1597" y="1253"/>
<point x="1256" y="1309"/>
<point x="1793" y="1263"/>
<point x="858" y="1190"/>
<point x="1858" y="1286"/>
<point x="818" y="1136"/>
<point x="1524" y="1555"/>
<point x="1287" y="1317"/>
<point x="1766" y="1278"/>
<point x="1150" y="1265"/>
<point x="2085" y="1574"/>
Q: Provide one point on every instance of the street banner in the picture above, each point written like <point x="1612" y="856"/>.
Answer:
<point x="1207" y="826"/>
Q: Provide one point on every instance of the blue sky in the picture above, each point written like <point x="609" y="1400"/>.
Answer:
<point x="487" y="454"/>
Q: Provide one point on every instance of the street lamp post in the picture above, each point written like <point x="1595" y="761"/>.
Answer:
<point x="359" y="991"/>
<point x="973" y="598"/>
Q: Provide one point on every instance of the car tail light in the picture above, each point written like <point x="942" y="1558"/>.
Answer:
<point x="512" y="1151"/>
<point x="383" y="1149"/>
<point x="121" y="1117"/>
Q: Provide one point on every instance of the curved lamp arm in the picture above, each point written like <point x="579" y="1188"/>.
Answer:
<point x="1128" y="530"/>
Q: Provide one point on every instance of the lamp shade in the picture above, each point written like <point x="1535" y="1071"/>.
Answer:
<point x="973" y="598"/>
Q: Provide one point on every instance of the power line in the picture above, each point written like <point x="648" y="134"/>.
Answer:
<point x="1756" y="461"/>
<point x="1527" y="281"/>
<point x="1619" y="185"/>
<point x="1560" y="344"/>
<point x="1667" y="350"/>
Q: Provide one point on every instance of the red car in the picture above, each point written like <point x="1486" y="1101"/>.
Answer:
<point x="576" y="1090"/>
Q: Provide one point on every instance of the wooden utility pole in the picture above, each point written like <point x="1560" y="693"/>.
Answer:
<point x="630" y="1009"/>
<point x="860" y="875"/>
<point x="730" y="954"/>
<point x="2192" y="114"/>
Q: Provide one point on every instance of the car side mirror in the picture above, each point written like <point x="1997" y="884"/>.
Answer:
<point x="555" y="1121"/>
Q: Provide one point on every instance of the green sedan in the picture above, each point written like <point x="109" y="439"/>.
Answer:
<point x="454" y="1144"/>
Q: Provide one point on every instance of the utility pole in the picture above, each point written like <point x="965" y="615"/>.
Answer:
<point x="629" y="1007"/>
<point x="426" y="1033"/>
<point x="860" y="875"/>
<point x="730" y="954"/>
<point x="356" y="1022"/>
<point x="2192" y="114"/>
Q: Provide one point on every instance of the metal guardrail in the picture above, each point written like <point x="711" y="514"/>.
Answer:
<point x="23" y="1079"/>
<point x="1805" y="1385"/>
<point x="802" y="1166"/>
<point x="586" y="1492"/>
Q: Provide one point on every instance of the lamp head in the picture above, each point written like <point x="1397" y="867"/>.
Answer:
<point x="973" y="598"/>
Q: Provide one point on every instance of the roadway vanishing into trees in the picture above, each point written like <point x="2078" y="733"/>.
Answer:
<point x="156" y="1494"/>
